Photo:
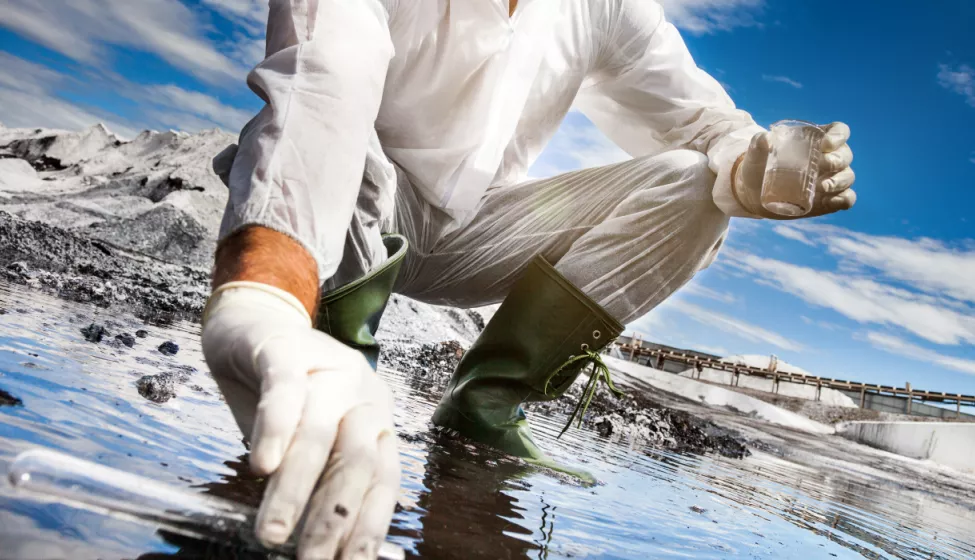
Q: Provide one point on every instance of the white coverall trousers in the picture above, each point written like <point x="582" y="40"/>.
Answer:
<point x="627" y="234"/>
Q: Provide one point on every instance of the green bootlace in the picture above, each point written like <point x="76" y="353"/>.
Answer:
<point x="600" y="371"/>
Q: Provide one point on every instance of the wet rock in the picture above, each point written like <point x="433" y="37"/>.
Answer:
<point x="6" y="399"/>
<point x="76" y="267"/>
<point x="431" y="361"/>
<point x="141" y="333"/>
<point x="169" y="348"/>
<point x="165" y="231"/>
<point x="161" y="387"/>
<point x="94" y="332"/>
<point x="477" y="318"/>
<point x="18" y="269"/>
<point x="126" y="339"/>
<point x="635" y="418"/>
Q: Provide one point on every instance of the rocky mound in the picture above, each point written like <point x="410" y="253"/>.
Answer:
<point x="634" y="418"/>
<point x="155" y="194"/>
<point x="78" y="268"/>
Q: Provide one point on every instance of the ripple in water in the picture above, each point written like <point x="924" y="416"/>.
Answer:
<point x="458" y="500"/>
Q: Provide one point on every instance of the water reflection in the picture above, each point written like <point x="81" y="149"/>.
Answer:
<point x="470" y="503"/>
<point x="467" y="505"/>
<point x="825" y="499"/>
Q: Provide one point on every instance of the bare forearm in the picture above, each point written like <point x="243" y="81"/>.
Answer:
<point x="259" y="254"/>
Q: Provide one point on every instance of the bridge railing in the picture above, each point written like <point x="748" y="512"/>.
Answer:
<point x="634" y="351"/>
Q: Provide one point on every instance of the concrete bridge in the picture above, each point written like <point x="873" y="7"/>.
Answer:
<point x="900" y="400"/>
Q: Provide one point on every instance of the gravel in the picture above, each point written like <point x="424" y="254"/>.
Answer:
<point x="131" y="226"/>
<point x="169" y="348"/>
<point x="633" y="418"/>
<point x="636" y="419"/>
<point x="80" y="269"/>
<point x="126" y="339"/>
<point x="161" y="387"/>
<point x="94" y="333"/>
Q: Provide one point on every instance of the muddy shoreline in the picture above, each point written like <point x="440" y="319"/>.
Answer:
<point x="80" y="269"/>
<point x="73" y="267"/>
<point x="633" y="419"/>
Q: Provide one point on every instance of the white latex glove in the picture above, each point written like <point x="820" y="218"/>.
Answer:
<point x="319" y="419"/>
<point x="833" y="192"/>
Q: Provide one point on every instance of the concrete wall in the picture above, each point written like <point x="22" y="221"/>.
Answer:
<point x="671" y="366"/>
<point x="828" y="396"/>
<point x="898" y="405"/>
<point x="946" y="443"/>
<point x="713" y="395"/>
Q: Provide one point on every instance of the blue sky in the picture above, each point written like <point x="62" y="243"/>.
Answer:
<point x="884" y="293"/>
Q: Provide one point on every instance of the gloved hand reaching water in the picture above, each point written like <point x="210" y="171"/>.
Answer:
<point x="318" y="417"/>
<point x="833" y="192"/>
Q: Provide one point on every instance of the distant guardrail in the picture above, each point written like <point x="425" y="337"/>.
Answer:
<point x="692" y="360"/>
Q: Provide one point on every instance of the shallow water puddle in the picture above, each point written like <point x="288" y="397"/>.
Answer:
<point x="458" y="501"/>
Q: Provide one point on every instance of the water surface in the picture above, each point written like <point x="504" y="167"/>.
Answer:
<point x="458" y="501"/>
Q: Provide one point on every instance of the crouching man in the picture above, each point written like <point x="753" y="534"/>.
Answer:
<point x="391" y="156"/>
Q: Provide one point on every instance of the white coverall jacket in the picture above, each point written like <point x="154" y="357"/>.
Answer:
<point x="445" y="104"/>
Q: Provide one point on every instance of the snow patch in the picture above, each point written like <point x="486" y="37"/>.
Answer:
<point x="17" y="175"/>
<point x="712" y="395"/>
<point x="156" y="194"/>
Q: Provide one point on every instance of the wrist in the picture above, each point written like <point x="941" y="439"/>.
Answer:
<point x="265" y="299"/>
<point x="264" y="256"/>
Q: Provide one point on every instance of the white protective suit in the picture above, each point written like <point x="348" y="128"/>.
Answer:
<point x="424" y="116"/>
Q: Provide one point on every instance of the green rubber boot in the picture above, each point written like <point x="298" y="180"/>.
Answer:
<point x="533" y="349"/>
<point x="351" y="312"/>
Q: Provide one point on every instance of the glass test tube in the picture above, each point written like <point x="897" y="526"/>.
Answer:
<point x="109" y="491"/>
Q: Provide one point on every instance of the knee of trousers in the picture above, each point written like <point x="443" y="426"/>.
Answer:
<point x="687" y="169"/>
<point x="688" y="199"/>
<point x="682" y="180"/>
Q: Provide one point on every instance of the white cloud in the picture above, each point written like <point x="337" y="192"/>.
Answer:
<point x="709" y="16"/>
<point x="794" y="234"/>
<point x="821" y="324"/>
<point x="863" y="299"/>
<point x="207" y="109"/>
<point x="925" y="264"/>
<point x="713" y="350"/>
<point x="901" y="347"/>
<point x="29" y="97"/>
<point x="695" y="288"/>
<point x="959" y="79"/>
<point x="28" y="101"/>
<point x="734" y="326"/>
<point x="782" y="80"/>
<point x="252" y="11"/>
<point x="84" y="29"/>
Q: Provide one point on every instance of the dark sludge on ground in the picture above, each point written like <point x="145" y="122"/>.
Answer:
<point x="161" y="387"/>
<point x="125" y="339"/>
<point x="633" y="418"/>
<point x="169" y="348"/>
<point x="94" y="332"/>
<point x="78" y="268"/>
<point x="6" y="399"/>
